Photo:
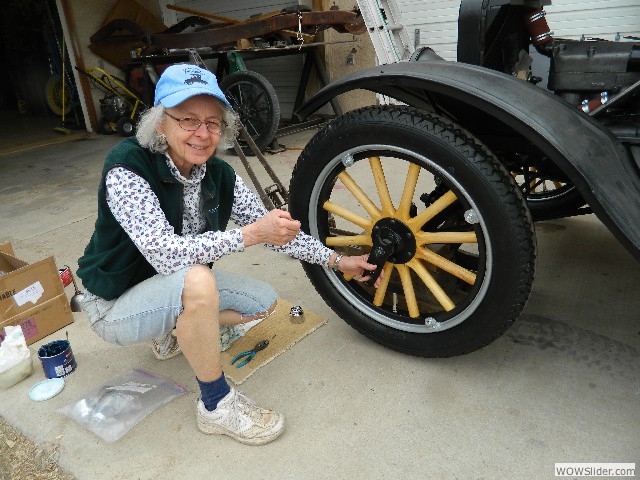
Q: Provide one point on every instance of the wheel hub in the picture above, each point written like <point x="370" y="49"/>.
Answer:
<point x="396" y="237"/>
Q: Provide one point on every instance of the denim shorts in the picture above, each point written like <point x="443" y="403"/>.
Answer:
<point x="150" y="309"/>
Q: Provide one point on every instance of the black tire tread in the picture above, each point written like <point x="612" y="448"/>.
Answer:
<point x="477" y="154"/>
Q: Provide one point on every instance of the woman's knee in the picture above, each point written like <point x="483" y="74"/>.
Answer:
<point x="199" y="287"/>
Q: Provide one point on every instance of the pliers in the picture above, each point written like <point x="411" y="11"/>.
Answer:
<point x="250" y="354"/>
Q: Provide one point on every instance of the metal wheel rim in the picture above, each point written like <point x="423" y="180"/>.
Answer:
<point x="368" y="309"/>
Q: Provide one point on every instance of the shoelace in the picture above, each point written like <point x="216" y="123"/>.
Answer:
<point x="246" y="407"/>
<point x="165" y="348"/>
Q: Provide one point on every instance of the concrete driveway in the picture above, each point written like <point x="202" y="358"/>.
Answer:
<point x="563" y="385"/>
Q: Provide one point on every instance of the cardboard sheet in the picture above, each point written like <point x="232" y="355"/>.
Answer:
<point x="282" y="331"/>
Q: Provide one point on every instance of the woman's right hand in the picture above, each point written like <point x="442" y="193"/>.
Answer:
<point x="275" y="228"/>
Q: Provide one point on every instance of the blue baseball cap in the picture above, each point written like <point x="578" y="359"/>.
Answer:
<point x="183" y="81"/>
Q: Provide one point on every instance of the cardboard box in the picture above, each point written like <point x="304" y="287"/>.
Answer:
<point x="31" y="295"/>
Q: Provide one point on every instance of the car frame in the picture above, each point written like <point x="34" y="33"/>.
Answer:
<point x="459" y="255"/>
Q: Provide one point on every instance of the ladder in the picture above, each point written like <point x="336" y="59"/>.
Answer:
<point x="386" y="30"/>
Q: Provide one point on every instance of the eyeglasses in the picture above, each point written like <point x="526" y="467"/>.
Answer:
<point x="192" y="124"/>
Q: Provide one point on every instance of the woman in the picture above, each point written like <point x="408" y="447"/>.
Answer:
<point x="163" y="206"/>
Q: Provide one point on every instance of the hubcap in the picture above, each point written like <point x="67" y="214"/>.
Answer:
<point x="389" y="231"/>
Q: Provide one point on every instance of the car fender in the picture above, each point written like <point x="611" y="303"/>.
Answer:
<point x="598" y="165"/>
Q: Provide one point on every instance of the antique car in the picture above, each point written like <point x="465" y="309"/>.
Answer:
<point x="442" y="185"/>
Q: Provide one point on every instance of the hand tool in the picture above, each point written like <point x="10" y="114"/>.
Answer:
<point x="250" y="353"/>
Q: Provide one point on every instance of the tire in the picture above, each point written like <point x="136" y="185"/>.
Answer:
<point x="255" y="101"/>
<point x="106" y="127"/>
<point x="53" y="95"/>
<point x="126" y="126"/>
<point x="491" y="254"/>
<point x="547" y="197"/>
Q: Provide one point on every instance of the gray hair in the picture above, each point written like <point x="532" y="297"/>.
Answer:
<point x="148" y="136"/>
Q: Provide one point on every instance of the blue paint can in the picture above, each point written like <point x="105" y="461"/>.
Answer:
<point x="57" y="359"/>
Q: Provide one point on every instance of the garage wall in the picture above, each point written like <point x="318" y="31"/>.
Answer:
<point x="346" y="54"/>
<point x="573" y="18"/>
<point x="438" y="27"/>
<point x="80" y="20"/>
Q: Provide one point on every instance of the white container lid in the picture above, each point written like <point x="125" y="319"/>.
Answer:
<point x="46" y="389"/>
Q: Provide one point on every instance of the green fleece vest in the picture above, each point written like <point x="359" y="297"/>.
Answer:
<point x="111" y="263"/>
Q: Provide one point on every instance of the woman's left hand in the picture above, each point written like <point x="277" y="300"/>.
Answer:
<point x="358" y="267"/>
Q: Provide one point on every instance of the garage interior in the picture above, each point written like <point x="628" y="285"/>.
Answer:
<point x="31" y="34"/>
<point x="31" y="45"/>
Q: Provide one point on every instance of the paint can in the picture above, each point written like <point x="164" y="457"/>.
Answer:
<point x="57" y="359"/>
<point x="65" y="276"/>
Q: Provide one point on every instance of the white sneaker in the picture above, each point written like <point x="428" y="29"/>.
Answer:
<point x="230" y="333"/>
<point x="241" y="419"/>
<point x="165" y="347"/>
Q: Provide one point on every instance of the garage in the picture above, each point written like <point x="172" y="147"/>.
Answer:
<point x="32" y="34"/>
<point x="556" y="392"/>
<point x="30" y="50"/>
<point x="29" y="34"/>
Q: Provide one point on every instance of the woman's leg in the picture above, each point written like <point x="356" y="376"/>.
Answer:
<point x="220" y="410"/>
<point x="144" y="312"/>
<point x="190" y="300"/>
<point x="244" y="302"/>
<point x="231" y="317"/>
<point x="197" y="327"/>
<point x="243" y="299"/>
<point x="149" y="310"/>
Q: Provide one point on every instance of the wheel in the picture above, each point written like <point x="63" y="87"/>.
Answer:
<point x="53" y="95"/>
<point x="126" y="126"/>
<point x="255" y="101"/>
<point x="462" y="242"/>
<point x="106" y="127"/>
<point x="547" y="196"/>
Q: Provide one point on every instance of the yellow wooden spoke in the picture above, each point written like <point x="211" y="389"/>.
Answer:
<point x="362" y="222"/>
<point x="359" y="194"/>
<point x="416" y="223"/>
<point x="533" y="182"/>
<point x="347" y="240"/>
<point x="431" y="284"/>
<point x="409" y="189"/>
<point x="446" y="265"/>
<point x="409" y="292"/>
<point x="425" y="238"/>
<point x="384" y="284"/>
<point x="381" y="185"/>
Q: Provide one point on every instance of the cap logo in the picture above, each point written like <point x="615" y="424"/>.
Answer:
<point x="195" y="78"/>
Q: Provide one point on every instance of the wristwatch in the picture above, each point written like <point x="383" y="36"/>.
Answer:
<point x="336" y="263"/>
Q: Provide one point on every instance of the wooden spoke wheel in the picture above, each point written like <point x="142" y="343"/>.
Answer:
<point x="545" y="193"/>
<point x="463" y="247"/>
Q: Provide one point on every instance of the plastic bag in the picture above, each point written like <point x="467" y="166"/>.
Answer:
<point x="13" y="349"/>
<point x="112" y="409"/>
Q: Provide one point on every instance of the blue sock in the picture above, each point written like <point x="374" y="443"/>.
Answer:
<point x="212" y="392"/>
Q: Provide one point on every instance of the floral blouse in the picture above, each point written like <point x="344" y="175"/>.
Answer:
<point x="136" y="207"/>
